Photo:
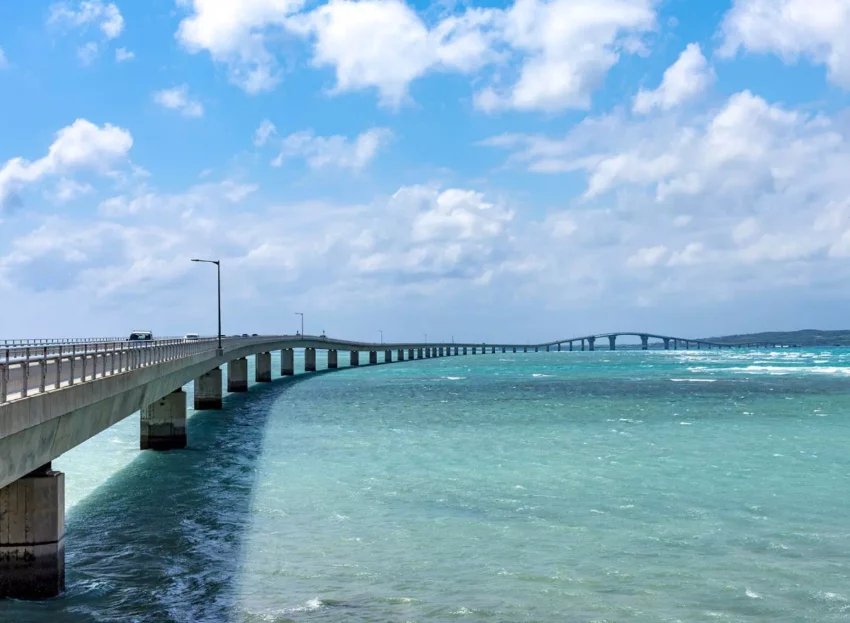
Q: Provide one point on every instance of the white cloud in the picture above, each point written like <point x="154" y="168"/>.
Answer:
<point x="647" y="257"/>
<point x="87" y="13"/>
<point x="67" y="190"/>
<point x="815" y="29"/>
<point x="79" y="146"/>
<point x="334" y="151"/>
<point x="264" y="132"/>
<point x="4" y="62"/>
<point x="687" y="78"/>
<point x="384" y="44"/>
<point x="88" y="52"/>
<point x="178" y="98"/>
<point x="568" y="46"/>
<point x="123" y="54"/>
<point x="235" y="33"/>
<point x="195" y="198"/>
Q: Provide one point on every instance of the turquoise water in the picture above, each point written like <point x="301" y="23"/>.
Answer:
<point x="563" y="487"/>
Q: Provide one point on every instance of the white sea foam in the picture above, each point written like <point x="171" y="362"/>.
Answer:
<point x="786" y="370"/>
<point x="752" y="594"/>
<point x="537" y="375"/>
<point x="454" y="378"/>
<point x="694" y="380"/>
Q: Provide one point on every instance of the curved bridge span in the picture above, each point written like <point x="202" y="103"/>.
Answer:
<point x="56" y="394"/>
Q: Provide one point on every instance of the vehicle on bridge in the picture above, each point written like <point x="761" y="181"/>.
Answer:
<point x="191" y="337"/>
<point x="141" y="335"/>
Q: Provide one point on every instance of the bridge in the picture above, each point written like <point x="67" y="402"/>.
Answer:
<point x="57" y="393"/>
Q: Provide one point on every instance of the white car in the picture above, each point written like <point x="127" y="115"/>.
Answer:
<point x="190" y="337"/>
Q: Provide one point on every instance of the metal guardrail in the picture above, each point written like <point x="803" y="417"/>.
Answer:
<point x="24" y="370"/>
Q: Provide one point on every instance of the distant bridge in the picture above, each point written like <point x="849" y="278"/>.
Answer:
<point x="55" y="394"/>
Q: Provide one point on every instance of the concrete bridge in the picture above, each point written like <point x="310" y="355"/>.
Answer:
<point x="56" y="394"/>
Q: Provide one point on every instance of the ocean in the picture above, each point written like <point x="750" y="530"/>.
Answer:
<point x="628" y="486"/>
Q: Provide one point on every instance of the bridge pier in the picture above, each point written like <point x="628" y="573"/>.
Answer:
<point x="400" y="354"/>
<point x="333" y="359"/>
<point x="559" y="347"/>
<point x="591" y="343"/>
<point x="411" y="353"/>
<point x="464" y="350"/>
<point x="474" y="350"/>
<point x="441" y="352"/>
<point x="388" y="356"/>
<point x="263" y="367"/>
<point x="699" y="346"/>
<point x="32" y="536"/>
<point x="373" y="357"/>
<point x="525" y="349"/>
<point x="309" y="360"/>
<point x="666" y="343"/>
<point x="571" y="347"/>
<point x="582" y="345"/>
<point x="644" y="342"/>
<point x="162" y="425"/>
<point x="535" y="349"/>
<point x="612" y="342"/>
<point x="237" y="375"/>
<point x="208" y="391"/>
<point x="287" y="362"/>
<point x="675" y="344"/>
<point x="354" y="358"/>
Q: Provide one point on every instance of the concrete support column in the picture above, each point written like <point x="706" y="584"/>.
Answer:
<point x="419" y="353"/>
<point x="591" y="343"/>
<point x="400" y="354"/>
<point x="263" y="367"/>
<point x="559" y="347"/>
<point x="309" y="360"/>
<point x="582" y="344"/>
<point x="287" y="362"/>
<point x="571" y="347"/>
<point x="32" y="536"/>
<point x="388" y="356"/>
<point x="474" y="350"/>
<point x="699" y="346"/>
<point x="525" y="349"/>
<point x="208" y="390"/>
<point x="675" y="344"/>
<point x="411" y="353"/>
<point x="464" y="350"/>
<point x="163" y="423"/>
<point x="612" y="342"/>
<point x="333" y="359"/>
<point x="355" y="358"/>
<point x="644" y="342"/>
<point x="535" y="349"/>
<point x="666" y="343"/>
<point x="373" y="357"/>
<point x="514" y="348"/>
<point x="237" y="375"/>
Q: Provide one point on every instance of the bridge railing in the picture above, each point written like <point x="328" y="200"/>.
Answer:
<point x="25" y="370"/>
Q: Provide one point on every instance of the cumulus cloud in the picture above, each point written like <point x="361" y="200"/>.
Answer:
<point x="685" y="79"/>
<point x="545" y="54"/>
<point x="85" y="15"/>
<point x="123" y="54"/>
<point x="79" y="146"/>
<point x="333" y="151"/>
<point x="178" y="98"/>
<point x="384" y="44"/>
<point x="814" y="29"/>
<point x="235" y="33"/>
<point x="264" y="132"/>
<point x="144" y="201"/>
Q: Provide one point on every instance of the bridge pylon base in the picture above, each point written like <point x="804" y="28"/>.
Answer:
<point x="163" y="423"/>
<point x="32" y="539"/>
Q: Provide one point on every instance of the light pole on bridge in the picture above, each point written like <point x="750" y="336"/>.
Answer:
<point x="218" y="270"/>
<point x="426" y="338"/>
<point x="382" y="335"/>
<point x="302" y="323"/>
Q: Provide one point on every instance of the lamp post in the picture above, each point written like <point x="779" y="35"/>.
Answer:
<point x="302" y="323"/>
<point x="426" y="338"/>
<point x="218" y="270"/>
<point x="382" y="335"/>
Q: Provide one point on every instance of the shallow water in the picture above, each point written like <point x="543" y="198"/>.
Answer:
<point x="628" y="486"/>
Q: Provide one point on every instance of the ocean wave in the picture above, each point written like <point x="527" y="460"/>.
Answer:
<point x="694" y="380"/>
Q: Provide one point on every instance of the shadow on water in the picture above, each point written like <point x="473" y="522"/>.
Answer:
<point x="162" y="539"/>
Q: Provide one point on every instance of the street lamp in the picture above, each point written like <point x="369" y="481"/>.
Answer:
<point x="382" y="335"/>
<point x="218" y="270"/>
<point x="302" y="323"/>
<point x="426" y="338"/>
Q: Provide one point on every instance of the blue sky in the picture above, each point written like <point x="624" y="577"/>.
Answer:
<point x="517" y="171"/>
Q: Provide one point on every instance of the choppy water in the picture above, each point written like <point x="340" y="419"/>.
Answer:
<point x="550" y="487"/>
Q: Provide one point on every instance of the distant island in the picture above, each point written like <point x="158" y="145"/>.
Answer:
<point x="805" y="337"/>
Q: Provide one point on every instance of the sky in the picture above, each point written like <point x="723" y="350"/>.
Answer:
<point x="523" y="171"/>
